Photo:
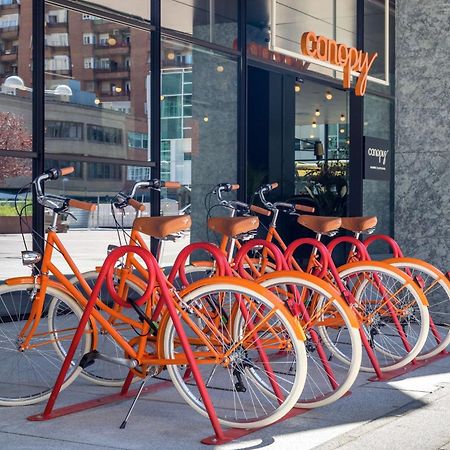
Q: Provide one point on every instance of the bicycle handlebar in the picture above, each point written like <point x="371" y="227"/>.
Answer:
<point x="82" y="205"/>
<point x="56" y="202"/>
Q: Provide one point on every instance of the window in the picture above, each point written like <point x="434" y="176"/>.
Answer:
<point x="104" y="171"/>
<point x="88" y="38"/>
<point x="103" y="39"/>
<point x="89" y="63"/>
<point x="56" y="16"/>
<point x="89" y="17"/>
<point x="57" y="40"/>
<point x="138" y="173"/>
<point x="63" y="130"/>
<point x="171" y="83"/>
<point x="9" y="20"/>
<point x="137" y="140"/>
<point x="171" y="106"/>
<point x="105" y="135"/>
<point x="104" y="63"/>
<point x="58" y="63"/>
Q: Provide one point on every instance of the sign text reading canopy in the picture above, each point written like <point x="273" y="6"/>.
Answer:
<point x="350" y="58"/>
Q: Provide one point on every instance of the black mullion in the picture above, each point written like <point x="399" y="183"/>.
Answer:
<point x="242" y="102"/>
<point x="356" y="163"/>
<point x="155" y="110"/>
<point x="38" y="109"/>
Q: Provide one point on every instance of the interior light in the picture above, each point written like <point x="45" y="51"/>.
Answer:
<point x="314" y="124"/>
<point x="111" y="41"/>
<point x="205" y="119"/>
<point x="317" y="113"/>
<point x="311" y="136"/>
<point x="297" y="88"/>
<point x="342" y="117"/>
<point x="342" y="130"/>
<point x="328" y="95"/>
<point x="162" y="97"/>
<point x="171" y="56"/>
<point x="97" y="101"/>
<point x="219" y="68"/>
<point x="118" y="89"/>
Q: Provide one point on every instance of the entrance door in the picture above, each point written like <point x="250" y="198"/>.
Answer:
<point x="298" y="136"/>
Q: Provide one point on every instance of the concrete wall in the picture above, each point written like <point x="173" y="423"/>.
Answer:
<point x="422" y="192"/>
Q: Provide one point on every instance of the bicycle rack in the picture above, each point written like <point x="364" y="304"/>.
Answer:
<point x="220" y="435"/>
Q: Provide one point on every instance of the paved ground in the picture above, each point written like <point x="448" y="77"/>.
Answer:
<point x="411" y="412"/>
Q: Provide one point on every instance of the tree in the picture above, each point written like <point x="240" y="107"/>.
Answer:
<point x="14" y="136"/>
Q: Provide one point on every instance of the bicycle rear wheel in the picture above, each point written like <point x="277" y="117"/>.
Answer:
<point x="393" y="311"/>
<point x="27" y="375"/>
<point x="268" y="343"/>
<point x="436" y="287"/>
<point x="331" y="323"/>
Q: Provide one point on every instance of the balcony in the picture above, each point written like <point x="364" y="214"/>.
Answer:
<point x="10" y="32"/>
<point x="8" y="55"/>
<point x="121" y="48"/>
<point x="112" y="73"/>
<point x="117" y="97"/>
<point x="9" y="7"/>
<point x="56" y="24"/>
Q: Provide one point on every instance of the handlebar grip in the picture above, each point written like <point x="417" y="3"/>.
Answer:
<point x="66" y="170"/>
<point x="138" y="206"/>
<point x="273" y="186"/>
<point x="305" y="208"/>
<point x="259" y="210"/>
<point x="234" y="187"/>
<point x="171" y="184"/>
<point x="82" y="205"/>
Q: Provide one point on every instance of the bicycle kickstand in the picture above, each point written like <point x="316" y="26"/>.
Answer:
<point x="139" y="392"/>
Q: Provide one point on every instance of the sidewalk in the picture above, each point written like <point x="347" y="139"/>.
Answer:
<point x="411" y="412"/>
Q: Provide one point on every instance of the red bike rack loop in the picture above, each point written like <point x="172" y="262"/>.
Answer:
<point x="324" y="253"/>
<point x="116" y="254"/>
<point x="221" y="264"/>
<point x="272" y="249"/>
<point x="393" y="245"/>
<point x="363" y="254"/>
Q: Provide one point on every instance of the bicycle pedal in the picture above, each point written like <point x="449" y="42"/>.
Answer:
<point x="88" y="359"/>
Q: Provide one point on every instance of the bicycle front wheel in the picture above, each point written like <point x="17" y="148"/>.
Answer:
<point x="269" y="342"/>
<point x="393" y="311"/>
<point x="436" y="287"/>
<point x="28" y="373"/>
<point x="328" y="323"/>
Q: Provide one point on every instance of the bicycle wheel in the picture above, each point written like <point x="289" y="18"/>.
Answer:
<point x="392" y="309"/>
<point x="102" y="372"/>
<point x="273" y="348"/>
<point x="436" y="287"/>
<point x="27" y="375"/>
<point x="330" y="320"/>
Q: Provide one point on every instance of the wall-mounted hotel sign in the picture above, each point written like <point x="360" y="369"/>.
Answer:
<point x="350" y="59"/>
<point x="377" y="159"/>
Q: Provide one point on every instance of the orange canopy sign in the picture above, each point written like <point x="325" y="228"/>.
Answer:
<point x="350" y="58"/>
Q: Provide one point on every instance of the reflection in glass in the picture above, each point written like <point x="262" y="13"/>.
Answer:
<point x="14" y="173"/>
<point x="198" y="124"/>
<point x="211" y="21"/>
<point x="140" y="8"/>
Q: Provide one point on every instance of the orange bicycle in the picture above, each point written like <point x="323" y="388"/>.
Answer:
<point x="40" y="315"/>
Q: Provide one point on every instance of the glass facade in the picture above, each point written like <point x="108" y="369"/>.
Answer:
<point x="99" y="107"/>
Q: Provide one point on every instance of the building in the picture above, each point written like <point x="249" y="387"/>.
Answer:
<point x="238" y="97"/>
